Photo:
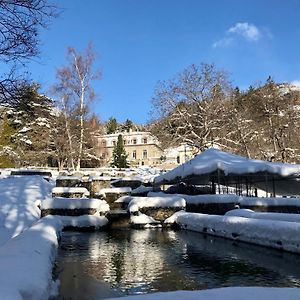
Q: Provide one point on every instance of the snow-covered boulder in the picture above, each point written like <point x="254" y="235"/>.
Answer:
<point x="70" y="192"/>
<point x="74" y="206"/>
<point x="68" y="181"/>
<point x="112" y="194"/>
<point x="142" y="191"/>
<point x="83" y="222"/>
<point x="159" y="208"/>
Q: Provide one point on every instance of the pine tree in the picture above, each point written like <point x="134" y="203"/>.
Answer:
<point x="111" y="125"/>
<point x="119" y="154"/>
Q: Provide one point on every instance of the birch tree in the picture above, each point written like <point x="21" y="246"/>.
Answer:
<point x="75" y="91"/>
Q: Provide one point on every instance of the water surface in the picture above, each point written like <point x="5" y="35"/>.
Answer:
<point x="117" y="263"/>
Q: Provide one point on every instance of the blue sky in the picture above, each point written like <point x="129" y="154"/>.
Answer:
<point x="142" y="41"/>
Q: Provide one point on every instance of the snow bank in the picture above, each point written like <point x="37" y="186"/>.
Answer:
<point x="124" y="199"/>
<point x="70" y="190"/>
<point x="33" y="252"/>
<point x="158" y="202"/>
<point x="75" y="203"/>
<point x="212" y="160"/>
<point x="248" y="213"/>
<point x="84" y="221"/>
<point x="20" y="196"/>
<point x="275" y="234"/>
<point x="229" y="293"/>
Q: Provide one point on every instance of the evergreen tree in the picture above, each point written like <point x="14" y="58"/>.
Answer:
<point x="119" y="154"/>
<point x="111" y="125"/>
<point x="128" y="125"/>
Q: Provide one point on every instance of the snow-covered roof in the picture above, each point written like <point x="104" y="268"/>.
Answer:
<point x="213" y="160"/>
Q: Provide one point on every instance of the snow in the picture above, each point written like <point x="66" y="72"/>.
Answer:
<point x="99" y="178"/>
<point x="75" y="203"/>
<point x="231" y="198"/>
<point x="142" y="219"/>
<point x="120" y="190"/>
<point x="83" y="221"/>
<point x="27" y="261"/>
<point x="212" y="160"/>
<point x="70" y="190"/>
<point x="270" y="233"/>
<point x="248" y="213"/>
<point x="20" y="196"/>
<point x="197" y="199"/>
<point x="142" y="189"/>
<point x="228" y="293"/>
<point x="259" y="201"/>
<point x="124" y="199"/>
<point x="69" y="178"/>
<point x="158" y="202"/>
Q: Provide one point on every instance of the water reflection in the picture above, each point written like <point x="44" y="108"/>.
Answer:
<point x="117" y="263"/>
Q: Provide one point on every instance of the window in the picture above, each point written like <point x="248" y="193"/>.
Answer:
<point x="134" y="154"/>
<point x="124" y="141"/>
<point x="134" y="141"/>
<point x="144" y="140"/>
<point x="178" y="159"/>
<point x="114" y="143"/>
<point x="145" y="154"/>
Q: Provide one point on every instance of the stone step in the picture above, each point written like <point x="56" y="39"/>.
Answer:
<point x="118" y="218"/>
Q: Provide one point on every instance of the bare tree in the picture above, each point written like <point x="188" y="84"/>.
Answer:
<point x="75" y="89"/>
<point x="191" y="106"/>
<point x="20" y="22"/>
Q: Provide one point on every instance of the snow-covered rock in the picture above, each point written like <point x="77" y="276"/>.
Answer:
<point x="156" y="202"/>
<point x="276" y="234"/>
<point x="120" y="190"/>
<point x="84" y="221"/>
<point x="142" y="190"/>
<point x="142" y="219"/>
<point x="69" y="192"/>
<point x="75" y="203"/>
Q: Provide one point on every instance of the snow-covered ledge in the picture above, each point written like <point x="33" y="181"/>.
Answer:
<point x="275" y="234"/>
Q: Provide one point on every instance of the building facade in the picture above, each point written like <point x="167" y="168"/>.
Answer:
<point x="142" y="148"/>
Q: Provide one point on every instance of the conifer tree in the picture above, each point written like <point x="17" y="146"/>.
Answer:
<point x="119" y="154"/>
<point x="111" y="125"/>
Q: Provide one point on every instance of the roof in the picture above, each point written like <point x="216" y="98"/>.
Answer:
<point x="214" y="163"/>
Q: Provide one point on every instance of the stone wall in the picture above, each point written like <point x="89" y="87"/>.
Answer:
<point x="68" y="212"/>
<point x="161" y="213"/>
